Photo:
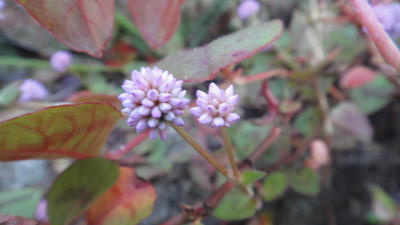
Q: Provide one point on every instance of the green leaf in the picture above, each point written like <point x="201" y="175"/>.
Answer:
<point x="22" y="202"/>
<point x="306" y="183"/>
<point x="307" y="121"/>
<point x="10" y="93"/>
<point x="205" y="62"/>
<point x="236" y="205"/>
<point x="383" y="206"/>
<point x="75" y="190"/>
<point x="274" y="186"/>
<point x="372" y="96"/>
<point x="250" y="176"/>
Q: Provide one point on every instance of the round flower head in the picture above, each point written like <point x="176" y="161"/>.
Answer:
<point x="248" y="8"/>
<point x="61" y="60"/>
<point x="216" y="108"/>
<point x="32" y="90"/>
<point x="152" y="98"/>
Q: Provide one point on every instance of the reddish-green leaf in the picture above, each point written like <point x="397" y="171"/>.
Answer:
<point x="83" y="25"/>
<point x="78" y="187"/>
<point x="7" y="219"/>
<point x="88" y="96"/>
<point x="157" y="20"/>
<point x="357" y="76"/>
<point x="203" y="63"/>
<point x="128" y="202"/>
<point x="77" y="131"/>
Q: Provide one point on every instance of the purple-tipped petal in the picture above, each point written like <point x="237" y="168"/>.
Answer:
<point x="205" y="119"/>
<point x="233" y="100"/>
<point x="196" y="111"/>
<point x="152" y="95"/>
<point x="232" y="118"/>
<point x="164" y="107"/>
<point x="179" y="121"/>
<point x="141" y="83"/>
<point x="175" y="92"/>
<point x="124" y="96"/>
<point x="126" y="110"/>
<point x="222" y="96"/>
<point x="213" y="90"/>
<point x="229" y="91"/>
<point x="135" y="74"/>
<point x="201" y="94"/>
<point x="162" y="125"/>
<point x="129" y="104"/>
<point x="153" y="133"/>
<point x="182" y="94"/>
<point x="202" y="103"/>
<point x="137" y="95"/>
<point x="147" y="103"/>
<point x="218" y="122"/>
<point x="157" y="82"/>
<point x="163" y="88"/>
<point x="144" y="111"/>
<point x="163" y="134"/>
<point x="185" y="101"/>
<point x="142" y="125"/>
<point x="135" y="114"/>
<point x="177" y="112"/>
<point x="178" y="84"/>
<point x="170" y="116"/>
<point x="212" y="110"/>
<point x="152" y="122"/>
<point x="223" y="109"/>
<point x="164" y="97"/>
<point x="175" y="102"/>
<point x="156" y="112"/>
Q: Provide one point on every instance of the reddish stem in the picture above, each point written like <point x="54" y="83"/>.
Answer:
<point x="128" y="147"/>
<point x="262" y="76"/>
<point x="376" y="32"/>
<point x="263" y="147"/>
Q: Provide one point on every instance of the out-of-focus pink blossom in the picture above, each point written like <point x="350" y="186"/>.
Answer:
<point x="217" y="107"/>
<point x="319" y="152"/>
<point x="32" y="90"/>
<point x="389" y="17"/>
<point x="152" y="98"/>
<point x="248" y="8"/>
<point x="61" y="61"/>
<point x="41" y="211"/>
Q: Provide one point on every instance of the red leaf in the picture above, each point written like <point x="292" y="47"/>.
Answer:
<point x="9" y="220"/>
<point x="205" y="62"/>
<point x="129" y="201"/>
<point x="77" y="131"/>
<point x="88" y="96"/>
<point x="357" y="76"/>
<point x="120" y="54"/>
<point x="157" y="20"/>
<point x="83" y="25"/>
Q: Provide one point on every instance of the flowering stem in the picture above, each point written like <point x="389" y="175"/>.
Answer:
<point x="201" y="150"/>
<point x="376" y="32"/>
<point x="231" y="154"/>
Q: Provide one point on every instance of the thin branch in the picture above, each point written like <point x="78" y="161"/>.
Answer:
<point x="263" y="147"/>
<point x="262" y="76"/>
<point x="231" y="154"/>
<point x="201" y="150"/>
<point x="128" y="147"/>
<point x="376" y="32"/>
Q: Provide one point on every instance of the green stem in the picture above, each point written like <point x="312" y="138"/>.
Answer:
<point x="231" y="154"/>
<point x="201" y="150"/>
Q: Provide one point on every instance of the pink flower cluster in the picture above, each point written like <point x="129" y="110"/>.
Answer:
<point x="32" y="90"/>
<point x="217" y="107"/>
<point x="389" y="17"/>
<point x="248" y="8"/>
<point x="152" y="98"/>
<point x="61" y="61"/>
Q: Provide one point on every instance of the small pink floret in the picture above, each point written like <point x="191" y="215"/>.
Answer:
<point x="61" y="61"/>
<point x="32" y="90"/>
<point x="217" y="107"/>
<point x="248" y="8"/>
<point x="152" y="98"/>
